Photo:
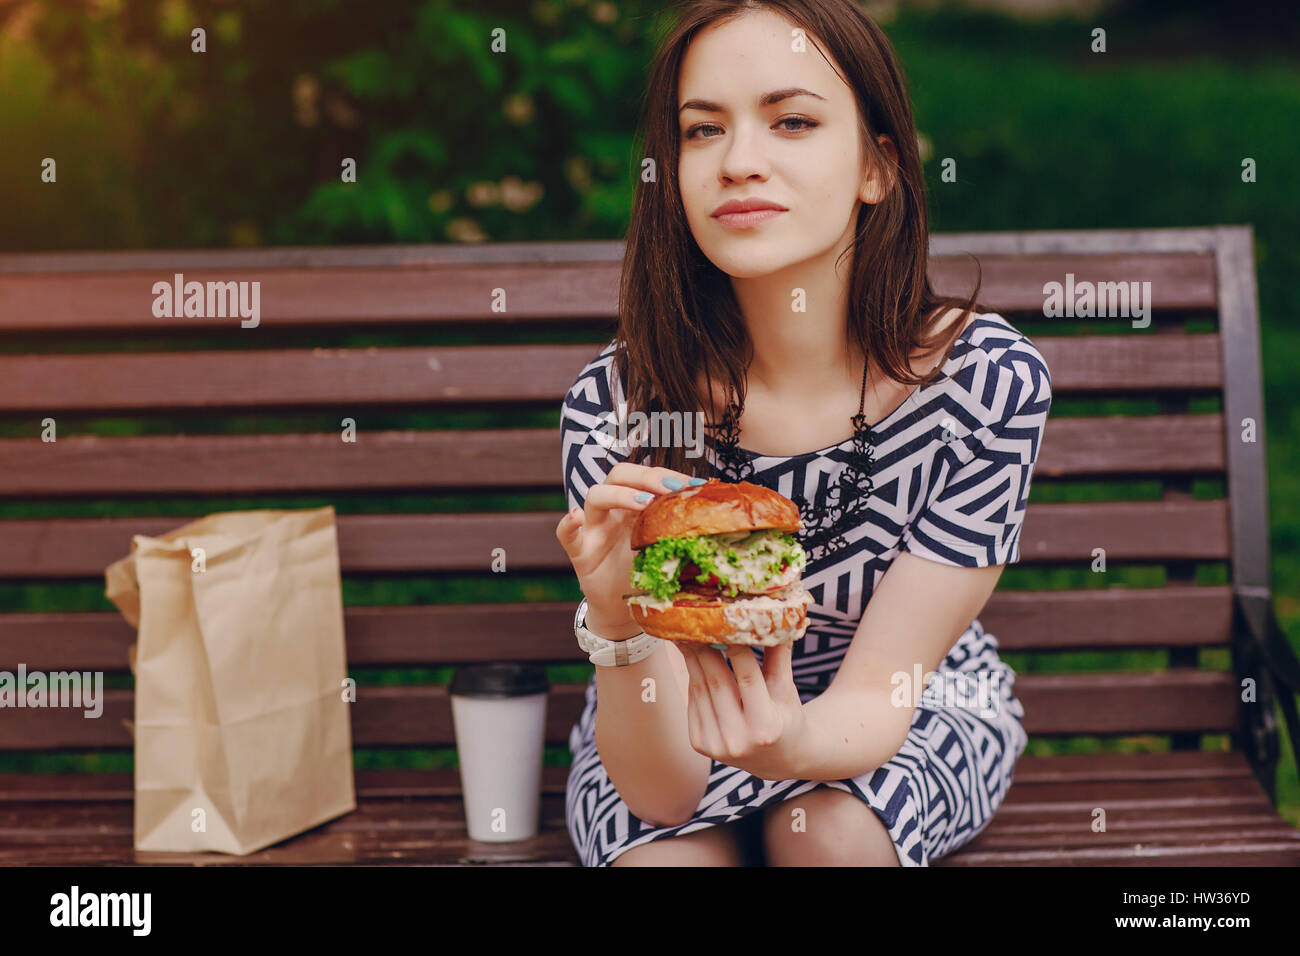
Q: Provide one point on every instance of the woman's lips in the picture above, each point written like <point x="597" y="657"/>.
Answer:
<point x="744" y="220"/>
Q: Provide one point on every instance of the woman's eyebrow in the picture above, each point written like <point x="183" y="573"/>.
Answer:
<point x="767" y="99"/>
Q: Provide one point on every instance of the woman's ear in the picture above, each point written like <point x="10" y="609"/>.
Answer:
<point x="878" y="182"/>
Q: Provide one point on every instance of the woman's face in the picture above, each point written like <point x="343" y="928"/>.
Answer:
<point x="801" y="152"/>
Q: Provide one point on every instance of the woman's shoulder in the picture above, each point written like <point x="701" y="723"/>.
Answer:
<point x="992" y="334"/>
<point x="994" y="364"/>
<point x="590" y="440"/>
<point x="596" y="389"/>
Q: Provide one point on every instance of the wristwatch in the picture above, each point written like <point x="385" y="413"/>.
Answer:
<point x="606" y="653"/>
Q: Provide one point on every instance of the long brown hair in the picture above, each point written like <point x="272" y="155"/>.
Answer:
<point x="678" y="314"/>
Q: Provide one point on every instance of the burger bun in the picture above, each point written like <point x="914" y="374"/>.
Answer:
<point x="762" y="621"/>
<point x="715" y="507"/>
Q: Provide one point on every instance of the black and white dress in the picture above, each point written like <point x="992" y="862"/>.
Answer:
<point x="950" y="479"/>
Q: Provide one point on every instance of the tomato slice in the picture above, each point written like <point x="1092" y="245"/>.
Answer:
<point x="692" y="571"/>
<point x="695" y="582"/>
<point x="689" y="576"/>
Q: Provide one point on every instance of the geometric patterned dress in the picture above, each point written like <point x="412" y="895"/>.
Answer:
<point x="951" y="475"/>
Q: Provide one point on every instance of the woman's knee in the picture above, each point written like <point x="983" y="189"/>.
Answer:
<point x="826" y="827"/>
<point x="720" y="845"/>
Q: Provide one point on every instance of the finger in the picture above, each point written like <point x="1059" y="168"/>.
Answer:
<point x="777" y="668"/>
<point x="756" y="702"/>
<point x="646" y="478"/>
<point x="584" y="554"/>
<point x="569" y="531"/>
<point x="779" y="673"/>
<point x="606" y="497"/>
<point x="725" y="697"/>
<point x="700" y="715"/>
<point x="783" y="668"/>
<point x="694" y="729"/>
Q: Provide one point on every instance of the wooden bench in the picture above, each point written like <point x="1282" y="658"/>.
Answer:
<point x="439" y="347"/>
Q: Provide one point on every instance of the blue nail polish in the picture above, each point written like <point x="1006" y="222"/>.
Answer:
<point x="697" y="481"/>
<point x="644" y="496"/>
<point x="721" y="647"/>
<point x="674" y="483"/>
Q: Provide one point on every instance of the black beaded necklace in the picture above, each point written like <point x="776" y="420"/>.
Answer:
<point x="846" y="499"/>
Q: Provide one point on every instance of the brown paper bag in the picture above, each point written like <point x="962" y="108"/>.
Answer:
<point x="240" y="709"/>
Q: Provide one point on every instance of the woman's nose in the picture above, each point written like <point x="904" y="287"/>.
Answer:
<point x="743" y="156"/>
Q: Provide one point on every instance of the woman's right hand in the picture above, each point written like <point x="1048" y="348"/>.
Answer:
<point x="598" y="537"/>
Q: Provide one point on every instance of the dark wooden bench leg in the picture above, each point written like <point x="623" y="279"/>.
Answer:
<point x="1261" y="650"/>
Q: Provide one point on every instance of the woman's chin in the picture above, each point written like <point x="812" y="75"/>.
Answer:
<point x="753" y="262"/>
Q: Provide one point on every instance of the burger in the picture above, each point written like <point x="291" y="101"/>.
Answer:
<point x="718" y="563"/>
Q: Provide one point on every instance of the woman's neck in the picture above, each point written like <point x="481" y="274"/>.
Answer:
<point x="798" y="319"/>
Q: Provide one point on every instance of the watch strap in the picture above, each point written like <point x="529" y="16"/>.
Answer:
<point x="606" y="653"/>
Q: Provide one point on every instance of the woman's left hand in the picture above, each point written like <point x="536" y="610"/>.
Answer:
<point x="752" y="719"/>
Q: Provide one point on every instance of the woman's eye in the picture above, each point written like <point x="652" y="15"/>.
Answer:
<point x="690" y="133"/>
<point x="804" y="122"/>
<point x="807" y="123"/>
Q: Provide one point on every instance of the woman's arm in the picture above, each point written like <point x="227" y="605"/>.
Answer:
<point x="915" y="615"/>
<point x="644" y="743"/>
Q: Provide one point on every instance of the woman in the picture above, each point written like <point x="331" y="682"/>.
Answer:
<point x="772" y="324"/>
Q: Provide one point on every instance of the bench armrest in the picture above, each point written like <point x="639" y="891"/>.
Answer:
<point x="1257" y="625"/>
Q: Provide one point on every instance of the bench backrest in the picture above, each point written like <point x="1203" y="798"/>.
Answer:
<point x="493" y="336"/>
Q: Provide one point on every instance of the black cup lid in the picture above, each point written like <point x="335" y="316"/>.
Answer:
<point x="499" y="680"/>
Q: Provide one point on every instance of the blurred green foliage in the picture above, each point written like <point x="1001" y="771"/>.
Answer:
<point x="158" y="146"/>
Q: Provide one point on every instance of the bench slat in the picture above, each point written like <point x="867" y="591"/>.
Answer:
<point x="359" y="838"/>
<point x="82" y="548"/>
<point x="1128" y="703"/>
<point x="62" y="824"/>
<point x="1178" y="280"/>
<point x="428" y="255"/>
<point x="1170" y="765"/>
<point x="553" y="848"/>
<point x="1069" y="837"/>
<point x="34" y="789"/>
<point x="461" y="292"/>
<point x="419" y="815"/>
<point x="1120" y="703"/>
<point x="438" y="635"/>
<point x="1179" y="241"/>
<point x="1132" y="446"/>
<point x="1133" y="794"/>
<point x="275" y="379"/>
<point x="1228" y="850"/>
<point x="506" y="459"/>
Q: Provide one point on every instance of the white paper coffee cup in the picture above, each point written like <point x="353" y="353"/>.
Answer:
<point x="499" y="715"/>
